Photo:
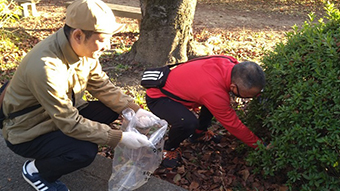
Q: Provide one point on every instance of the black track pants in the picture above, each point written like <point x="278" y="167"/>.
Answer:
<point x="182" y="121"/>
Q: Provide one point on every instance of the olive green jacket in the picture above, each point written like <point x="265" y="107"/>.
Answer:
<point x="48" y="75"/>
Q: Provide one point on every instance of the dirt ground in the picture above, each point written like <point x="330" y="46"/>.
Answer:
<point x="241" y="15"/>
<point x="231" y="16"/>
<point x="222" y="17"/>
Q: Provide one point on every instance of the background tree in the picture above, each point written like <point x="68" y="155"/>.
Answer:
<point x="165" y="32"/>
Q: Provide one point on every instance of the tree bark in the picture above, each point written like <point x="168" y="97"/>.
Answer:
<point x="165" y="32"/>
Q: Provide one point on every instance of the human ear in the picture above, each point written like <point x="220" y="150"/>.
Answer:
<point x="232" y="86"/>
<point x="78" y="35"/>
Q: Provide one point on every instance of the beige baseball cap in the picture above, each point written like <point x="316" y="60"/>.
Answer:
<point x="92" y="15"/>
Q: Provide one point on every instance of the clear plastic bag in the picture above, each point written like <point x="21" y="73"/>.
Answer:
<point x="131" y="168"/>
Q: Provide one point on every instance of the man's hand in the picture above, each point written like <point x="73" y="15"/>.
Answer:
<point x="269" y="146"/>
<point x="145" y="118"/>
<point x="134" y="140"/>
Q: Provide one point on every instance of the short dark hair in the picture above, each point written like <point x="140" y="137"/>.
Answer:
<point x="68" y="30"/>
<point x="248" y="75"/>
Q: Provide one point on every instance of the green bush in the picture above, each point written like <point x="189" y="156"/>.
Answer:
<point x="299" y="111"/>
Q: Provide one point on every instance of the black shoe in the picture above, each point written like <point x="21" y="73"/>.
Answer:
<point x="171" y="158"/>
<point x="205" y="136"/>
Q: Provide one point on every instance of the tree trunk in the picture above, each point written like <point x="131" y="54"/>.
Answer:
<point x="165" y="32"/>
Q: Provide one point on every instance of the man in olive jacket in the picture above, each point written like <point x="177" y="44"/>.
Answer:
<point x="63" y="133"/>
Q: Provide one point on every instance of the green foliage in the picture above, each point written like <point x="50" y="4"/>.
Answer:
<point x="139" y="97"/>
<point x="8" y="49"/>
<point x="301" y="107"/>
<point x="9" y="12"/>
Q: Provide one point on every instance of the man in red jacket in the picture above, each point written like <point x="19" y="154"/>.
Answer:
<point x="205" y="82"/>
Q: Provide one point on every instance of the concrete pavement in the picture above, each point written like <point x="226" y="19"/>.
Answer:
<point x="92" y="178"/>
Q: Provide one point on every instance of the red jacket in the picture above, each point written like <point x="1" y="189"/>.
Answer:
<point x="207" y="82"/>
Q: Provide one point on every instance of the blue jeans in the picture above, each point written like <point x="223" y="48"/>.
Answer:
<point x="56" y="154"/>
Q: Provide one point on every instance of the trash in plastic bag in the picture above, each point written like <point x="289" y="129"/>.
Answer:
<point x="131" y="168"/>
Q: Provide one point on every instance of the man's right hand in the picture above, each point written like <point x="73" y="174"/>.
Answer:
<point x="269" y="146"/>
<point x="134" y="140"/>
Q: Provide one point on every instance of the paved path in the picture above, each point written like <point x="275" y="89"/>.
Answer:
<point x="91" y="178"/>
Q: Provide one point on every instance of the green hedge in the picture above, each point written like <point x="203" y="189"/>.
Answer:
<point x="299" y="111"/>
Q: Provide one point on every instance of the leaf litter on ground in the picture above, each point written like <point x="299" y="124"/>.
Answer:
<point x="204" y="166"/>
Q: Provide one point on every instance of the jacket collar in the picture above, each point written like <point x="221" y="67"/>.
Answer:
<point x="69" y="55"/>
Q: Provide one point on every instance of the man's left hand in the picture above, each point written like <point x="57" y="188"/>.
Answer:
<point x="145" y="118"/>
